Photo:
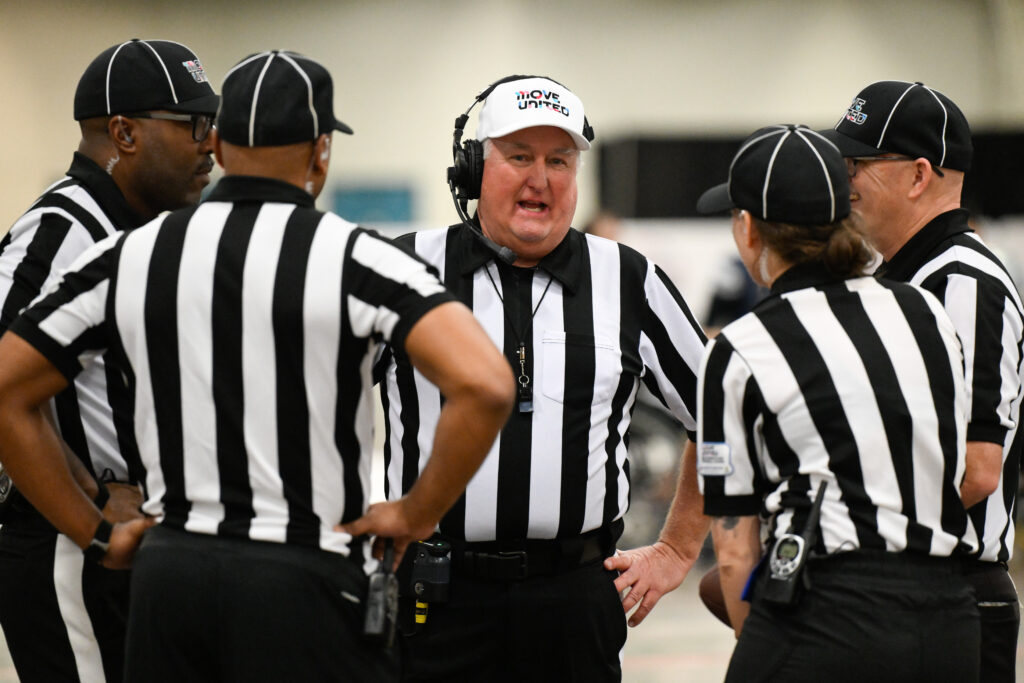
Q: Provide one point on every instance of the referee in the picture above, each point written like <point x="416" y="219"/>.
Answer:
<point x="582" y="321"/>
<point x="145" y="109"/>
<point x="843" y="382"/>
<point x="906" y="178"/>
<point x="246" y="328"/>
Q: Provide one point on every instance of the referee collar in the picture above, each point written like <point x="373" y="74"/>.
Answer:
<point x="802" y="276"/>
<point x="923" y="244"/>
<point x="241" y="188"/>
<point x="105" y="191"/>
<point x="563" y="263"/>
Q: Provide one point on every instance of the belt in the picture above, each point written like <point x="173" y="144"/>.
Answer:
<point x="531" y="558"/>
<point x="883" y="563"/>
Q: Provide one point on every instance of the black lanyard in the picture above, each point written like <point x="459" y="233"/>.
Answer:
<point x="525" y="404"/>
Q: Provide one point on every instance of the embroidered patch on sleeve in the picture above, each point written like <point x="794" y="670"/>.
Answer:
<point x="714" y="460"/>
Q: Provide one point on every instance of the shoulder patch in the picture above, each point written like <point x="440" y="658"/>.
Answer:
<point x="714" y="460"/>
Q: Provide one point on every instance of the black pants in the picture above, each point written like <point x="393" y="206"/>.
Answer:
<point x="876" y="617"/>
<point x="206" y="608"/>
<point x="568" y="627"/>
<point x="64" y="619"/>
<point x="1000" y="620"/>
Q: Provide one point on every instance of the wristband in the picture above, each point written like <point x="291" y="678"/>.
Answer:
<point x="102" y="496"/>
<point x="100" y="543"/>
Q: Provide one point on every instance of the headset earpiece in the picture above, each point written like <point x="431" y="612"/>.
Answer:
<point x="326" y="153"/>
<point x="469" y="169"/>
<point x="124" y="130"/>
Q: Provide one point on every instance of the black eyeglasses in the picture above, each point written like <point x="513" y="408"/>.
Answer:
<point x="202" y="124"/>
<point x="852" y="162"/>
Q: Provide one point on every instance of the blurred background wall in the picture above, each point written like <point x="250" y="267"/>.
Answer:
<point x="404" y="70"/>
<point x="646" y="70"/>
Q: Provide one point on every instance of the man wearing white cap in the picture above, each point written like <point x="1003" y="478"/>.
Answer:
<point x="581" y="320"/>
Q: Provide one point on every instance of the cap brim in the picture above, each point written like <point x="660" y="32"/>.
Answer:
<point x="715" y="200"/>
<point x="582" y="144"/>
<point x="201" y="105"/>
<point x="341" y="127"/>
<point x="849" y="147"/>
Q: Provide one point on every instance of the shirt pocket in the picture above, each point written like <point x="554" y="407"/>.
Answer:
<point x="557" y="346"/>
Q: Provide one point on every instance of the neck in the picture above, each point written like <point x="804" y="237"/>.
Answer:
<point x="770" y="266"/>
<point x="895" y="235"/>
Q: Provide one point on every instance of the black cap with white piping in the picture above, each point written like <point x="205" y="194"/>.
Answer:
<point x="277" y="98"/>
<point x="141" y="75"/>
<point x="905" y="118"/>
<point x="784" y="174"/>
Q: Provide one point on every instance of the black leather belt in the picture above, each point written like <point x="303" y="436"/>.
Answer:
<point x="533" y="557"/>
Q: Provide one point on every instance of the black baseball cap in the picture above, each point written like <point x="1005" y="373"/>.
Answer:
<point x="277" y="98"/>
<point x="140" y="75"/>
<point x="905" y="118"/>
<point x="784" y="174"/>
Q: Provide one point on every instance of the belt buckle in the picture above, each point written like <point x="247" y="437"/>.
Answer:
<point x="521" y="572"/>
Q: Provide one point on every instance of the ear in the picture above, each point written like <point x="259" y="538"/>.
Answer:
<point x="123" y="132"/>
<point x="322" y="154"/>
<point x="923" y="175"/>
<point x="748" y="231"/>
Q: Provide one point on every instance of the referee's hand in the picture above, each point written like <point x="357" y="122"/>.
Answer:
<point x="645" y="575"/>
<point x="124" y="541"/>
<point x="390" y="520"/>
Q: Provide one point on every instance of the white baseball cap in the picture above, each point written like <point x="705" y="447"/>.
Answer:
<point x="530" y="102"/>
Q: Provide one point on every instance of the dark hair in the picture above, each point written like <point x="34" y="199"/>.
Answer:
<point x="842" y="250"/>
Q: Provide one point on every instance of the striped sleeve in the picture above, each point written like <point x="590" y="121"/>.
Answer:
<point x="389" y="289"/>
<point x="727" y="464"/>
<point x="985" y="308"/>
<point x="671" y="349"/>
<point x="68" y="323"/>
<point x="48" y="240"/>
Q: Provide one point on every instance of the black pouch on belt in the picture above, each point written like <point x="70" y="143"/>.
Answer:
<point x="787" y="560"/>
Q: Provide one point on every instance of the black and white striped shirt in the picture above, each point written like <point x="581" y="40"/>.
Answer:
<point x="858" y="383"/>
<point x="596" y="318"/>
<point x="949" y="260"/>
<point x="74" y="213"/>
<point x="247" y="328"/>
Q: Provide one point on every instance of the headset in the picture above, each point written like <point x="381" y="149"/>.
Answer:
<point x="467" y="173"/>
<point x="124" y="131"/>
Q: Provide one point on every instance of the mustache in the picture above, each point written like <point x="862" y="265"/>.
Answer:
<point x="206" y="166"/>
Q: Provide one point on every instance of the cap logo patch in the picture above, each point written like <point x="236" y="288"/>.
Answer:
<point x="196" y="70"/>
<point x="855" y="114"/>
<point x="538" y="99"/>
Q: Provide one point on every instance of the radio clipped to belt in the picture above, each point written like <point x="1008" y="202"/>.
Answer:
<point x="788" y="559"/>
<point x="382" y="600"/>
<point x="431" y="575"/>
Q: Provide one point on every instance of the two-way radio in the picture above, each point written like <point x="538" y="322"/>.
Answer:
<point x="788" y="557"/>
<point x="382" y="600"/>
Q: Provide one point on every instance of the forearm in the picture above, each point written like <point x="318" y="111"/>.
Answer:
<point x="738" y="548"/>
<point x="686" y="525"/>
<point x="33" y="456"/>
<point x="77" y="467"/>
<point x="984" y="464"/>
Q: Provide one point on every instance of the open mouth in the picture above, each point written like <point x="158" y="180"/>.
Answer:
<point x="532" y="207"/>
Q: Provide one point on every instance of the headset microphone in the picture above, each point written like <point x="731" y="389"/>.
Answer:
<point x="460" y="196"/>
<point x="464" y="178"/>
